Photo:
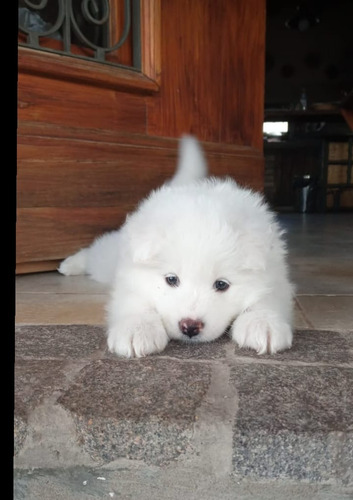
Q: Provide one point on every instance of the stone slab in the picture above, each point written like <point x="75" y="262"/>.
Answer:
<point x="212" y="406"/>
<point x="311" y="346"/>
<point x="294" y="422"/>
<point x="83" y="483"/>
<point x="34" y="381"/>
<point x="59" y="341"/>
<point x="87" y="341"/>
<point x="138" y="409"/>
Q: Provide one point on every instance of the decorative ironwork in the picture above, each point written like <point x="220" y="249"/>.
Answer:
<point x="82" y="28"/>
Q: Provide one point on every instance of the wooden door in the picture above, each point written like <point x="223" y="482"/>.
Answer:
<point x="95" y="138"/>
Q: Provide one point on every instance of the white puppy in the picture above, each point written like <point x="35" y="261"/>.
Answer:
<point x="199" y="256"/>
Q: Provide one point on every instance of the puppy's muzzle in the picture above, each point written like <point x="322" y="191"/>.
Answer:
<point x="190" y="327"/>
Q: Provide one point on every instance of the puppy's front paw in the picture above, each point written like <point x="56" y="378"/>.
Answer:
<point x="137" y="338"/>
<point x="263" y="331"/>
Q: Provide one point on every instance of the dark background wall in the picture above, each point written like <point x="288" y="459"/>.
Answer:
<point x="320" y="59"/>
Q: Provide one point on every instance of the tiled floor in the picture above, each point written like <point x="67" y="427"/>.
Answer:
<point x="320" y="255"/>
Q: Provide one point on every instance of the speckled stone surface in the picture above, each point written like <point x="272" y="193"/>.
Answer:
<point x="194" y="407"/>
<point x="192" y="350"/>
<point x="138" y="409"/>
<point x="59" y="342"/>
<point x="291" y="420"/>
<point x="312" y="346"/>
<point x="34" y="381"/>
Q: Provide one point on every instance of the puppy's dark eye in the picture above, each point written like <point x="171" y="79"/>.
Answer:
<point x="172" y="280"/>
<point x="221" y="285"/>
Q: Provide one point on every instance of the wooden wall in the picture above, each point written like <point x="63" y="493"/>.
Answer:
<point x="213" y="71"/>
<point x="93" y="141"/>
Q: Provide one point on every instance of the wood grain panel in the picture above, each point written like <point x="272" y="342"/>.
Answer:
<point x="35" y="62"/>
<point x="65" y="103"/>
<point x="74" y="173"/>
<point x="40" y="266"/>
<point x="124" y="179"/>
<point x="151" y="39"/>
<point x="40" y="129"/>
<point x="246" y="170"/>
<point x="48" y="233"/>
<point x="87" y="174"/>
<point x="213" y="71"/>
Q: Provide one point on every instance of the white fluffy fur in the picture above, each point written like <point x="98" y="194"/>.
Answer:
<point x="201" y="230"/>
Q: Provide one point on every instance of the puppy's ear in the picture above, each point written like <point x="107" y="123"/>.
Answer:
<point x="144" y="243"/>
<point x="144" y="252"/>
<point x="191" y="165"/>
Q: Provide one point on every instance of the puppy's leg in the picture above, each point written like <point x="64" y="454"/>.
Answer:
<point x="136" y="330"/>
<point x="264" y="327"/>
<point x="75" y="264"/>
<point x="99" y="260"/>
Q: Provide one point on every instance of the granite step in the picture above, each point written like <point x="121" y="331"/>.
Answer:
<point x="202" y="421"/>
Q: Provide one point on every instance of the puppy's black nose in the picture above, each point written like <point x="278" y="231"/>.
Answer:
<point x="190" y="327"/>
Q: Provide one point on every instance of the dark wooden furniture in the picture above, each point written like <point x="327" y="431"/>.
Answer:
<point x="307" y="150"/>
<point x="337" y="172"/>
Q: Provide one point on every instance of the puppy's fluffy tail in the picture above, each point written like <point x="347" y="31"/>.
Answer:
<point x="191" y="165"/>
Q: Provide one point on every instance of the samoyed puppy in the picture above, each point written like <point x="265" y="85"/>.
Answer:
<point x="200" y="256"/>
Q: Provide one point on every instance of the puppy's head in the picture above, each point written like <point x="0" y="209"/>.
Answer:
<point x="197" y="264"/>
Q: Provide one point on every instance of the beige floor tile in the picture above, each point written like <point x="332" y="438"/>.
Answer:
<point x="54" y="282"/>
<point x="50" y="308"/>
<point x="299" y="321"/>
<point x="327" y="312"/>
